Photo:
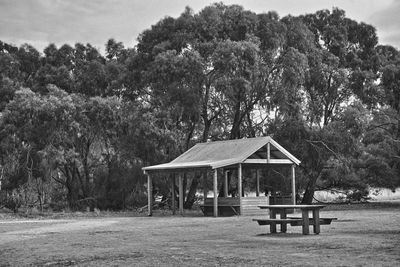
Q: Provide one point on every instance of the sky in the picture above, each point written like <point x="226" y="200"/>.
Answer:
<point x="40" y="22"/>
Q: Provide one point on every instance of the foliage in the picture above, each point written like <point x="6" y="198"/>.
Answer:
<point x="76" y="126"/>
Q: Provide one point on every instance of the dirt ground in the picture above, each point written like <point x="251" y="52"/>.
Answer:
<point x="362" y="236"/>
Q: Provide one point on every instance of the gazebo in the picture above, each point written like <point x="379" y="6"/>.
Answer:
<point x="254" y="153"/>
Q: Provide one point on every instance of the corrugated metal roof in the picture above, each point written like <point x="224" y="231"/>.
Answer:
<point x="221" y="153"/>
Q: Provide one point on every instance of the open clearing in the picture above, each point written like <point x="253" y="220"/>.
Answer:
<point x="362" y="236"/>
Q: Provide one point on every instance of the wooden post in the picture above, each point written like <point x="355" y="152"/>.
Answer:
<point x="272" y="226"/>
<point x="306" y="221"/>
<point x="257" y="182"/>
<point x="240" y="187"/>
<point x="173" y="194"/>
<point x="283" y="225"/>
<point x="268" y="152"/>
<point x="180" y="181"/>
<point x="216" y="193"/>
<point x="316" y="225"/>
<point x="226" y="184"/>
<point x="293" y="184"/>
<point x="149" y="195"/>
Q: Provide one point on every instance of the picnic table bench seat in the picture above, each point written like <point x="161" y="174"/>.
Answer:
<point x="293" y="221"/>
<point x="299" y="221"/>
<point x="275" y="221"/>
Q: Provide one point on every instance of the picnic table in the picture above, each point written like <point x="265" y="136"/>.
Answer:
<point x="305" y="221"/>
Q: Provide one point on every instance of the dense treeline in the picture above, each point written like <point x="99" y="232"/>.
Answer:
<point x="76" y="126"/>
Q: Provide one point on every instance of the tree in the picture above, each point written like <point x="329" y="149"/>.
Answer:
<point x="326" y="86"/>
<point x="319" y="83"/>
<point x="115" y="50"/>
<point x="342" y="50"/>
<point x="185" y="72"/>
<point x="379" y="161"/>
<point x="224" y="63"/>
<point x="75" y="142"/>
<point x="64" y="133"/>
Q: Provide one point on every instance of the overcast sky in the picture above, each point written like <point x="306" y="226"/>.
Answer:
<point x="40" y="22"/>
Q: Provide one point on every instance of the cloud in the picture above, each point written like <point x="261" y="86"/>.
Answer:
<point x="387" y="22"/>
<point x="41" y="22"/>
<point x="54" y="20"/>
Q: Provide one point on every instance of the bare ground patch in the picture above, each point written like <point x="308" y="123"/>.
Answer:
<point x="364" y="237"/>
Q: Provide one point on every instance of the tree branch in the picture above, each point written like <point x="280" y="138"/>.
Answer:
<point x="324" y="145"/>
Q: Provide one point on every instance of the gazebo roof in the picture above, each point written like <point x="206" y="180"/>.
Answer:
<point x="260" y="150"/>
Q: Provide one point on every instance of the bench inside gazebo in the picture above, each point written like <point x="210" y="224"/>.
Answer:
<point x="223" y="157"/>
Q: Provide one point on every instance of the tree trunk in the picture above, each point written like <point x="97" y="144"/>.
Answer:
<point x="252" y="130"/>
<point x="235" y="131"/>
<point x="221" y="191"/>
<point x="191" y="196"/>
<point x="70" y="197"/>
<point x="189" y="135"/>
<point x="71" y="183"/>
<point x="190" y="199"/>
<point x="40" y="192"/>
<point x="207" y="125"/>
<point x="398" y="126"/>
<point x="86" y="187"/>
<point x="310" y="189"/>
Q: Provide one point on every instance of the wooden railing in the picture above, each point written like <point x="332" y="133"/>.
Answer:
<point x="249" y="204"/>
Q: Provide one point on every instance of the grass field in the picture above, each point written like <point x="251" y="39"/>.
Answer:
<point x="363" y="235"/>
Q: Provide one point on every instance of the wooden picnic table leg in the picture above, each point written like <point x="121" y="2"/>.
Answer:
<point x="306" y="221"/>
<point x="272" y="226"/>
<point x="316" y="221"/>
<point x="283" y="225"/>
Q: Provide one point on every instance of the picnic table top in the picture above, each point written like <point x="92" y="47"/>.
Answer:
<point x="311" y="207"/>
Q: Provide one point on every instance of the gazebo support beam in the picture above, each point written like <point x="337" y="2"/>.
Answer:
<point x="215" y="192"/>
<point x="149" y="195"/>
<point x="173" y="194"/>
<point x="293" y="184"/>
<point x="180" y="194"/>
<point x="257" y="182"/>
<point x="240" y="187"/>
<point x="226" y="184"/>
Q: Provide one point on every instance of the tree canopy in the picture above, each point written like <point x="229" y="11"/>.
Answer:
<point x="76" y="126"/>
